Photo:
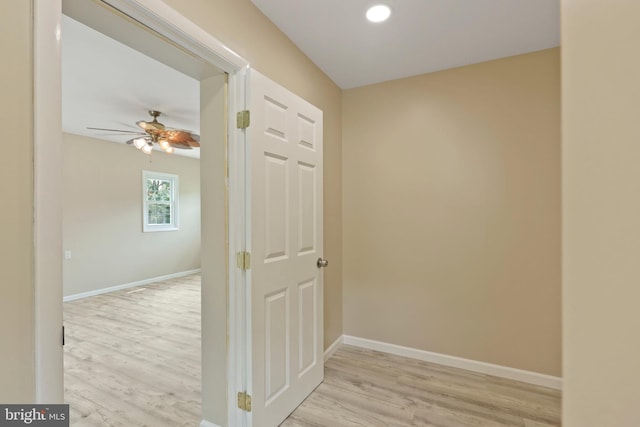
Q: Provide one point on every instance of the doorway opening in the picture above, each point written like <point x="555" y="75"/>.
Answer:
<point x="216" y="70"/>
<point x="131" y="221"/>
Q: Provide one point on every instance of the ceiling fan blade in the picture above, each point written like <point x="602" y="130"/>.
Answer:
<point x="194" y="136"/>
<point x="150" y="126"/>
<point x="117" y="130"/>
<point x="181" y="138"/>
<point x="119" y="135"/>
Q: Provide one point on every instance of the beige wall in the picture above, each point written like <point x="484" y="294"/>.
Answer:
<point x="452" y="212"/>
<point x="242" y="27"/>
<point x="601" y="212"/>
<point x="16" y="171"/>
<point x="102" y="216"/>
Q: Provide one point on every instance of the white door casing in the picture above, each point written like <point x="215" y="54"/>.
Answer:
<point x="285" y="240"/>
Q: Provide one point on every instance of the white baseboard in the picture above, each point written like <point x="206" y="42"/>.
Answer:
<point x="458" y="362"/>
<point x="205" y="423"/>
<point x="128" y="285"/>
<point x="333" y="347"/>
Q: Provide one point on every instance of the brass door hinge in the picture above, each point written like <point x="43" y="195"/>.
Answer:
<point x="243" y="119"/>
<point x="243" y="260"/>
<point x="244" y="401"/>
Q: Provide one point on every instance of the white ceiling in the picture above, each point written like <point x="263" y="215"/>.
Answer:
<point x="107" y="84"/>
<point x="421" y="36"/>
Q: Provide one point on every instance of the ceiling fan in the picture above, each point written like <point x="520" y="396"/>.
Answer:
<point x="156" y="132"/>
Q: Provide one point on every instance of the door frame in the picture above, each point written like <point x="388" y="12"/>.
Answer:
<point x="47" y="140"/>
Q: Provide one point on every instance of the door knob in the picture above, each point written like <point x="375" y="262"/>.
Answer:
<point x="322" y="263"/>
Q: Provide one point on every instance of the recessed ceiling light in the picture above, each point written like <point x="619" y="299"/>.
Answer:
<point x="378" y="13"/>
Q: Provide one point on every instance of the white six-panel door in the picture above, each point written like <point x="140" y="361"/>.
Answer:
<point x="285" y="194"/>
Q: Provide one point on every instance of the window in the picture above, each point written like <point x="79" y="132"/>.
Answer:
<point x="160" y="201"/>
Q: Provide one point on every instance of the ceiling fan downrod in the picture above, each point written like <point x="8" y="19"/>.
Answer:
<point x="155" y="114"/>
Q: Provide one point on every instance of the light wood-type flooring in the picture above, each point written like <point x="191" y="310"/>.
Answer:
<point x="132" y="358"/>
<point x="369" y="388"/>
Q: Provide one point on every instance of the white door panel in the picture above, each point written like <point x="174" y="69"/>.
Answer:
<point x="285" y="199"/>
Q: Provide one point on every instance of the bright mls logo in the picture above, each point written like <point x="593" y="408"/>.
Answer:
<point x="34" y="415"/>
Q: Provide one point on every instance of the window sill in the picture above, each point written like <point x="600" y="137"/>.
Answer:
<point x="156" y="230"/>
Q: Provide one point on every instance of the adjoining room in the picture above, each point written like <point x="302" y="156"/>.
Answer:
<point x="132" y="107"/>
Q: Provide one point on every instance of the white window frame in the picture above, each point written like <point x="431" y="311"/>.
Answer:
<point x="174" y="206"/>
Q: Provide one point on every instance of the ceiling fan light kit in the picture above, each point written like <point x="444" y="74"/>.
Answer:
<point x="156" y="133"/>
<point x="139" y="142"/>
<point x="165" y="145"/>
